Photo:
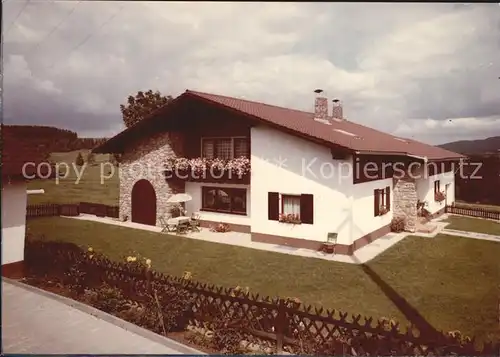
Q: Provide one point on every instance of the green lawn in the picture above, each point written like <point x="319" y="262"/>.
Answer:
<point x="69" y="190"/>
<point x="470" y="224"/>
<point x="452" y="282"/>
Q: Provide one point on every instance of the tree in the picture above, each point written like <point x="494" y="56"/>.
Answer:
<point x="143" y="104"/>
<point x="90" y="158"/>
<point x="79" y="159"/>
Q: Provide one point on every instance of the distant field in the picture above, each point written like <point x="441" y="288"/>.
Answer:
<point x="70" y="156"/>
<point x="70" y="190"/>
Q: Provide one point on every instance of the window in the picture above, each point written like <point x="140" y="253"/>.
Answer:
<point x="225" y="200"/>
<point x="290" y="205"/>
<point x="208" y="149"/>
<point x="382" y="201"/>
<point x="224" y="148"/>
<point x="241" y="147"/>
<point x="437" y="187"/>
<point x="285" y="204"/>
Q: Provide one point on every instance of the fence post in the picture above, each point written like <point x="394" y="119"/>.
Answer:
<point x="280" y="326"/>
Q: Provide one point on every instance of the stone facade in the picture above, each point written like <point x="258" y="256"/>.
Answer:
<point x="405" y="202"/>
<point x="145" y="159"/>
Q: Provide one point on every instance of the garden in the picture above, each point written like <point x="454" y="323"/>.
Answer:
<point x="224" y="320"/>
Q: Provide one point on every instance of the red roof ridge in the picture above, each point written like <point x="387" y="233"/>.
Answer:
<point x="245" y="100"/>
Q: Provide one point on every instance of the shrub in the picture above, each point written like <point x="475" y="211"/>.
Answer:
<point x="90" y="158"/>
<point x="79" y="159"/>
<point x="106" y="298"/>
<point x="398" y="224"/>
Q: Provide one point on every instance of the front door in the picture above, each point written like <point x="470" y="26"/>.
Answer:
<point x="144" y="203"/>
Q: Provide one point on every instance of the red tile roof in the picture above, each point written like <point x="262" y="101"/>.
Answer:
<point x="344" y="133"/>
<point x="363" y="139"/>
<point x="16" y="151"/>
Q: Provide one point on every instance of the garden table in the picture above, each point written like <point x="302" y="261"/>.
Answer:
<point x="178" y="220"/>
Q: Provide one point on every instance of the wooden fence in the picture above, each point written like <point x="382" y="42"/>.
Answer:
<point x="473" y="212"/>
<point x="71" y="209"/>
<point x="285" y="323"/>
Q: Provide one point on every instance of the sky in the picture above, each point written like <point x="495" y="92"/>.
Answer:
<point x="427" y="71"/>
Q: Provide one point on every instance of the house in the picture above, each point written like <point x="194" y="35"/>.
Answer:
<point x="21" y="161"/>
<point x="312" y="173"/>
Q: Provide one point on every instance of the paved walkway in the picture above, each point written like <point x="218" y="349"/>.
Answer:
<point x="474" y="235"/>
<point x="360" y="256"/>
<point x="38" y="322"/>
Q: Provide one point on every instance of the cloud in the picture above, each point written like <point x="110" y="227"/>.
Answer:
<point x="408" y="68"/>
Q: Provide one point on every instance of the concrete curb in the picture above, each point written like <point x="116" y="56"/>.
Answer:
<point x="167" y="342"/>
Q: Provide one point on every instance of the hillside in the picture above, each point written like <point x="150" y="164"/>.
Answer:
<point x="489" y="145"/>
<point x="51" y="139"/>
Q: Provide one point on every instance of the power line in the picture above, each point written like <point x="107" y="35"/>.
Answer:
<point x="55" y="28"/>
<point x="19" y="14"/>
<point x="85" y="40"/>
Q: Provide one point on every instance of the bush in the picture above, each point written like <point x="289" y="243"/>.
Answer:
<point x="90" y="158"/>
<point x="398" y="224"/>
<point x="79" y="159"/>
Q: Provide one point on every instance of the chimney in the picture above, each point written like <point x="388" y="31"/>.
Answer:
<point x="337" y="110"/>
<point x="320" y="106"/>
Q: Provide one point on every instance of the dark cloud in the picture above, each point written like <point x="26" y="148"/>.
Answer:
<point x="389" y="63"/>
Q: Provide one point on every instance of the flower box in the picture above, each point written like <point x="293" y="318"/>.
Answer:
<point x="439" y="196"/>
<point x="383" y="210"/>
<point x="199" y="168"/>
<point x="290" y="218"/>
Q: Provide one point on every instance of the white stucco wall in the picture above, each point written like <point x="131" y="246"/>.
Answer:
<point x="14" y="200"/>
<point x="339" y="206"/>
<point x="194" y="189"/>
<point x="364" y="221"/>
<point x="425" y="190"/>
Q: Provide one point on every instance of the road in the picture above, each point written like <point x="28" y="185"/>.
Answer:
<point x="33" y="322"/>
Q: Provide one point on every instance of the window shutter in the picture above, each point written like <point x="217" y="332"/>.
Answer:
<point x="376" y="203"/>
<point x="307" y="209"/>
<point x="388" y="197"/>
<point x="273" y="210"/>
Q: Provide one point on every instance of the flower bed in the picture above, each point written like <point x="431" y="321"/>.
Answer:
<point x="215" y="167"/>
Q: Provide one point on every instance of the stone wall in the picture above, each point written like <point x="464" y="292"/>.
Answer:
<point x="145" y="159"/>
<point x="405" y="202"/>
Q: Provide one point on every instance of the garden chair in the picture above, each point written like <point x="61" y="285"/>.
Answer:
<point x="182" y="228"/>
<point x="165" y="226"/>
<point x="330" y="244"/>
<point x="194" y="223"/>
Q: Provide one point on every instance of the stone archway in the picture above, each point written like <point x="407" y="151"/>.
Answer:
<point x="144" y="203"/>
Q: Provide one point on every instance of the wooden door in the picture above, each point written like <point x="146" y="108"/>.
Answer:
<point x="144" y="203"/>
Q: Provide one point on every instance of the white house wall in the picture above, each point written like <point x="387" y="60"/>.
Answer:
<point x="14" y="200"/>
<point x="425" y="190"/>
<point x="194" y="189"/>
<point x="364" y="221"/>
<point x="339" y="206"/>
